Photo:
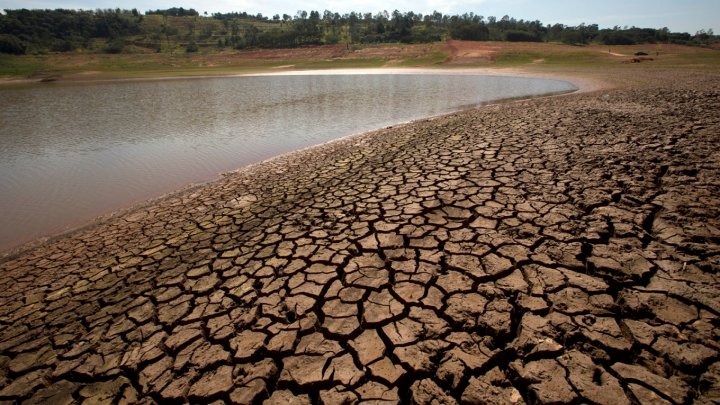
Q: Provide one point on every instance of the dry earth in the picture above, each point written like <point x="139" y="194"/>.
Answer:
<point x="554" y="251"/>
<point x="472" y="51"/>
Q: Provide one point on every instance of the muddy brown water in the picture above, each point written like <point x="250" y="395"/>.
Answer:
<point x="69" y="153"/>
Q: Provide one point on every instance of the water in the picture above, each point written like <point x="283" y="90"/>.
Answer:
<point x="69" y="153"/>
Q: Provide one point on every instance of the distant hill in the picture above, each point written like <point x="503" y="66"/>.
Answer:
<point x="179" y="30"/>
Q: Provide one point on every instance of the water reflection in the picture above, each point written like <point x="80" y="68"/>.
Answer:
<point x="70" y="153"/>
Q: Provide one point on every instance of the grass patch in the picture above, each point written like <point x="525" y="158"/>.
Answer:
<point x="22" y="66"/>
<point x="431" y="59"/>
<point x="517" y="57"/>
<point x="338" y="63"/>
<point x="665" y="56"/>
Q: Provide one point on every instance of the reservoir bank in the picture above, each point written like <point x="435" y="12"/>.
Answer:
<point x="72" y="152"/>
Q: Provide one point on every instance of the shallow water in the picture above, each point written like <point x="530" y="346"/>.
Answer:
<point x="69" y="153"/>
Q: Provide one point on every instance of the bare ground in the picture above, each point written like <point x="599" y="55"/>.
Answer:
<point x="561" y="250"/>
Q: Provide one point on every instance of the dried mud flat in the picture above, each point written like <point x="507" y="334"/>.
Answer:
<point x="555" y="251"/>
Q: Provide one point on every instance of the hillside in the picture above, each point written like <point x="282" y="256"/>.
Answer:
<point x="448" y="54"/>
<point x="177" y="31"/>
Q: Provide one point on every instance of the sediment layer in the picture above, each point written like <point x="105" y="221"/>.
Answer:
<point x="561" y="250"/>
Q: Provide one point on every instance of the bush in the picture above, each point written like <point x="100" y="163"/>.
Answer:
<point x="470" y="32"/>
<point x="276" y="38"/>
<point x="521" y="36"/>
<point x="617" y="39"/>
<point x="572" y="38"/>
<point x="191" y="47"/>
<point x="332" y="38"/>
<point x="62" y="46"/>
<point x="12" y="44"/>
<point x="424" y="36"/>
<point x="115" y="46"/>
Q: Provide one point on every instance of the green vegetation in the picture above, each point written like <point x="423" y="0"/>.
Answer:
<point x="178" y="30"/>
<point x="86" y="45"/>
<point x="14" y="66"/>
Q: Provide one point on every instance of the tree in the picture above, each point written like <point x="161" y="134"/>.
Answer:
<point x="469" y="32"/>
<point x="521" y="36"/>
<point x="174" y="12"/>
<point x="250" y="37"/>
<point x="29" y="31"/>
<point x="12" y="45"/>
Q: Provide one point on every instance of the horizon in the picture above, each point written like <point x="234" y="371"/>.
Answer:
<point x="691" y="18"/>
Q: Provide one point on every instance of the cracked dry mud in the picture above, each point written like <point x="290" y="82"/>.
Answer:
<point x="553" y="251"/>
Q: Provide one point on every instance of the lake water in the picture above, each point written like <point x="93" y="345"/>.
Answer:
<point x="69" y="153"/>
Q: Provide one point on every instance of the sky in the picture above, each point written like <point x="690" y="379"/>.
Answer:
<point x="679" y="16"/>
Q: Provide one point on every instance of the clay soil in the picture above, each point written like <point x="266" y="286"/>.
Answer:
<point x="559" y="250"/>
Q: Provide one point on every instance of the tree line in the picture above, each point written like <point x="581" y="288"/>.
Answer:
<point x="116" y="30"/>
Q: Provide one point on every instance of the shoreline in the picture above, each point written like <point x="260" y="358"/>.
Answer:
<point x="583" y="85"/>
<point x="510" y="71"/>
<point x="550" y="250"/>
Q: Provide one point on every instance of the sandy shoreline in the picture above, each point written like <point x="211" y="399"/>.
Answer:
<point x="284" y="71"/>
<point x="585" y="83"/>
<point x="554" y="250"/>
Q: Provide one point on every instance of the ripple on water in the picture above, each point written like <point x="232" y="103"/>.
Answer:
<point x="72" y="152"/>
